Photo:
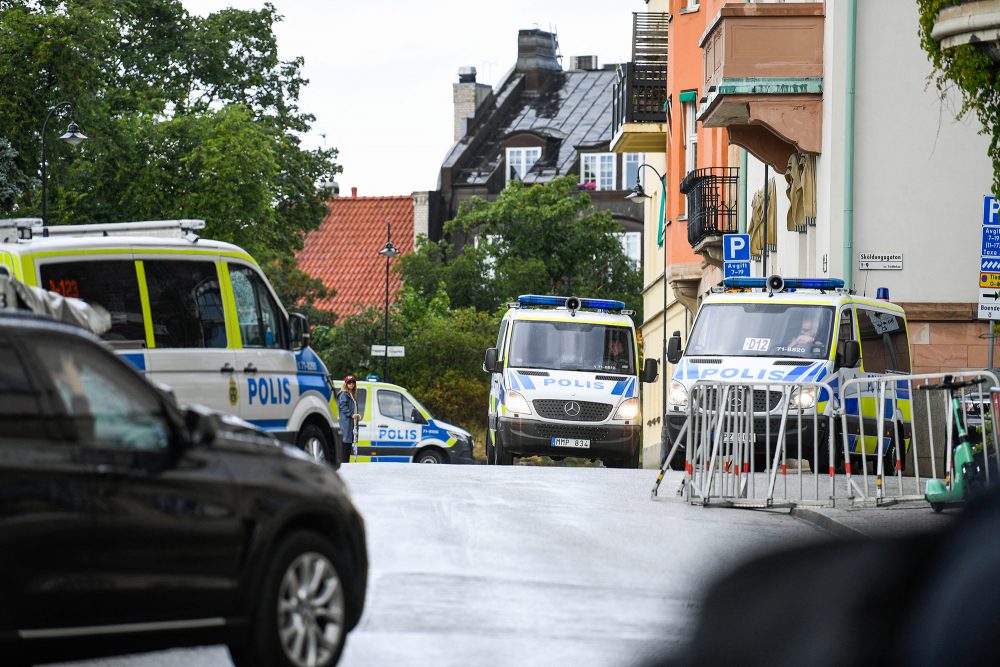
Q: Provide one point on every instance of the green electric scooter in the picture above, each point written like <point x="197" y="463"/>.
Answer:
<point x="965" y="474"/>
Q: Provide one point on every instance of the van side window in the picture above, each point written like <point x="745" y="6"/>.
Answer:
<point x="109" y="283"/>
<point x="845" y="331"/>
<point x="185" y="303"/>
<point x="261" y="323"/>
<point x="884" y="344"/>
<point x="394" y="405"/>
<point x="501" y="339"/>
<point x="21" y="415"/>
<point x="362" y="402"/>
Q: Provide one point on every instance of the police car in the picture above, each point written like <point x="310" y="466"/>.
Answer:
<point x="193" y="314"/>
<point x="757" y="330"/>
<point x="396" y="428"/>
<point x="565" y="382"/>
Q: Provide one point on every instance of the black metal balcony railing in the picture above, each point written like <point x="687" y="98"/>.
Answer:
<point x="712" y="196"/>
<point x="639" y="94"/>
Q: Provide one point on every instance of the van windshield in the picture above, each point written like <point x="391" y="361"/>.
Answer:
<point x="762" y="330"/>
<point x="572" y="346"/>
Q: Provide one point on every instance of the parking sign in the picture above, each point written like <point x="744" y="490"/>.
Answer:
<point x="991" y="210"/>
<point x="736" y="248"/>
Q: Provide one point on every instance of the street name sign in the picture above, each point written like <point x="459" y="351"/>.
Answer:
<point x="394" y="351"/>
<point x="880" y="261"/>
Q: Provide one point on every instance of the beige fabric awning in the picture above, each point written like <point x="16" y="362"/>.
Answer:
<point x="756" y="226"/>
<point x="801" y="191"/>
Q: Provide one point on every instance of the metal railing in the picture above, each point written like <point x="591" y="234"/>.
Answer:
<point x="639" y="94"/>
<point x="712" y="202"/>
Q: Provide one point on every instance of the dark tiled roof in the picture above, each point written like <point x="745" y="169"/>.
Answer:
<point x="343" y="252"/>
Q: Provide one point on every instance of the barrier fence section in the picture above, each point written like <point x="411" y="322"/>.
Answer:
<point x="782" y="444"/>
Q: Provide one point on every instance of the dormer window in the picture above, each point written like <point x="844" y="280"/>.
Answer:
<point x="520" y="161"/>
<point x="598" y="168"/>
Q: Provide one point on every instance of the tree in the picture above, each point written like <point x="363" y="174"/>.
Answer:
<point x="12" y="179"/>
<point x="544" y="239"/>
<point x="187" y="117"/>
<point x="969" y="68"/>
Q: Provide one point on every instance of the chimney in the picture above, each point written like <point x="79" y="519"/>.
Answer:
<point x="354" y="191"/>
<point x="537" y="57"/>
<point x="468" y="96"/>
<point x="583" y="63"/>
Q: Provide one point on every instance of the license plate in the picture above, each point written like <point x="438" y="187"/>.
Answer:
<point x="571" y="442"/>
<point x="738" y="438"/>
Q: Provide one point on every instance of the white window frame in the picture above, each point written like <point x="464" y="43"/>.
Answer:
<point x="637" y="159"/>
<point x="690" y="136"/>
<point x="603" y="167"/>
<point x="631" y="238"/>
<point x="521" y="160"/>
<point x="691" y="6"/>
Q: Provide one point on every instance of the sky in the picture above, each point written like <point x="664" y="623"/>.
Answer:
<point x="381" y="71"/>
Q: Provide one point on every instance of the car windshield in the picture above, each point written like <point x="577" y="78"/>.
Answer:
<point x="572" y="346"/>
<point x="762" y="330"/>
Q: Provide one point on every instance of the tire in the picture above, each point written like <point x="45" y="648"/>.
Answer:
<point x="676" y="463"/>
<point x="315" y="617"/>
<point x="501" y="456"/>
<point x="313" y="442"/>
<point x="490" y="449"/>
<point x="429" y="456"/>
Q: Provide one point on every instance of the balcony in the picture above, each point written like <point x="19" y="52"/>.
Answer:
<point x="712" y="196"/>
<point x="638" y="119"/>
<point x="763" y="74"/>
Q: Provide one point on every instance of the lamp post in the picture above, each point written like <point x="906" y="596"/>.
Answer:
<point x="73" y="136"/>
<point x="636" y="195"/>
<point x="388" y="251"/>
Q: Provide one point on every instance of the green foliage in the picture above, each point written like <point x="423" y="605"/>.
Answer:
<point x="972" y="71"/>
<point x="12" y="180"/>
<point x="542" y="239"/>
<point x="187" y="117"/>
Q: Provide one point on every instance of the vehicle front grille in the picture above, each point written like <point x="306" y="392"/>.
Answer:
<point x="763" y="401"/>
<point x="569" y="431"/>
<point x="551" y="408"/>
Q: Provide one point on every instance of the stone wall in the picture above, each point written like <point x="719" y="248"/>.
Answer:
<point x="937" y="347"/>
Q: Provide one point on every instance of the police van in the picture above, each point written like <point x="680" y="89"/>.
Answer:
<point x="394" y="427"/>
<point x="565" y="382"/>
<point x="773" y="330"/>
<point x="193" y="314"/>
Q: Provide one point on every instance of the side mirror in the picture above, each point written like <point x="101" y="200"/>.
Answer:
<point x="200" y="427"/>
<point x="650" y="370"/>
<point x="490" y="361"/>
<point x="852" y="354"/>
<point x="674" y="351"/>
<point x="300" y="330"/>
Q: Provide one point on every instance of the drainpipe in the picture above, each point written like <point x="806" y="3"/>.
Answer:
<point x="852" y="42"/>
<point x="742" y="196"/>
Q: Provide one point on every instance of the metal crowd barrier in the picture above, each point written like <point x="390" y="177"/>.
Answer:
<point x="760" y="445"/>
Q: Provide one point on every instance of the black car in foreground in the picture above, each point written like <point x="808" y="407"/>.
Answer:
<point x="129" y="524"/>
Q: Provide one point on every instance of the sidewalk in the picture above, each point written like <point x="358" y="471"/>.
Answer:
<point x="900" y="518"/>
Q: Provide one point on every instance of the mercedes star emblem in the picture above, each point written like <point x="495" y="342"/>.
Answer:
<point x="572" y="408"/>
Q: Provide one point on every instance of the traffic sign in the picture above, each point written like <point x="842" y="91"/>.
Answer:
<point x="989" y="280"/>
<point x="737" y="270"/>
<point x="991" y="210"/>
<point x="991" y="241"/>
<point x="394" y="351"/>
<point x="736" y="248"/>
<point x="989" y="304"/>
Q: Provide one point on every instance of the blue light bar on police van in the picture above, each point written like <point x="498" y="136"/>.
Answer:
<point x="560" y="301"/>
<point x="789" y="283"/>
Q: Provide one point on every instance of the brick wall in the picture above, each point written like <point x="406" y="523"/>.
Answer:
<point x="946" y="346"/>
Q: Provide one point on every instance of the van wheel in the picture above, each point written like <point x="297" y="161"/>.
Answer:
<point x="490" y="449"/>
<point x="301" y="618"/>
<point x="501" y="456"/>
<point x="313" y="442"/>
<point x="429" y="456"/>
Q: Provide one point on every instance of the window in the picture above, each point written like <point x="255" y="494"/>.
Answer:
<point x="884" y="345"/>
<point x="691" y="6"/>
<point x="501" y="339"/>
<point x="261" y="322"/>
<point x="362" y="396"/>
<point x="631" y="173"/>
<point x="103" y="403"/>
<point x="568" y="346"/>
<point x="110" y="283"/>
<point x="599" y="169"/>
<point x="632" y="247"/>
<point x="846" y="332"/>
<point x="762" y="330"/>
<point x="520" y="161"/>
<point x="185" y="304"/>
<point x="394" y="405"/>
<point x="690" y="111"/>
<point x="21" y="415"/>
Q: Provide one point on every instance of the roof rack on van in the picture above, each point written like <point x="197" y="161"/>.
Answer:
<point x="167" y="228"/>
<point x="14" y="229"/>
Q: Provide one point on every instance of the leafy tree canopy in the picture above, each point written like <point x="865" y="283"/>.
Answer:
<point x="972" y="71"/>
<point x="187" y="117"/>
<point x="539" y="239"/>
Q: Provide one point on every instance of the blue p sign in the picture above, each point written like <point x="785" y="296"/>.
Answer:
<point x="736" y="248"/>
<point x="991" y="210"/>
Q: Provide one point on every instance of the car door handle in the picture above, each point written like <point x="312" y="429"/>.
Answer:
<point x="383" y="426"/>
<point x="228" y="368"/>
<point x="250" y="368"/>
<point x="362" y="425"/>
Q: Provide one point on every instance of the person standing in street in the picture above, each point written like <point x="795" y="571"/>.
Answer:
<point x="347" y="406"/>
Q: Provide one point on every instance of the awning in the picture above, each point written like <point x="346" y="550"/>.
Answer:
<point x="756" y="226"/>
<point x="801" y="190"/>
<point x="689" y="96"/>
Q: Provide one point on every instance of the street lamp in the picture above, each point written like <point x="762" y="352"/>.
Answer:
<point x="637" y="195"/>
<point x="388" y="251"/>
<point x="72" y="136"/>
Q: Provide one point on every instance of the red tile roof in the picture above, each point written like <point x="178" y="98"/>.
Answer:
<point x="343" y="252"/>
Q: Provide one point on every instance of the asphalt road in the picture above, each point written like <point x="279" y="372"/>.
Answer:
<point x="528" y="565"/>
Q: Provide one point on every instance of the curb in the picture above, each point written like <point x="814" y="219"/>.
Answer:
<point x="826" y="522"/>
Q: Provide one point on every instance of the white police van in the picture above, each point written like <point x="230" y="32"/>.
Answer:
<point x="396" y="428"/>
<point x="193" y="314"/>
<point x="565" y="382"/>
<point x="761" y="330"/>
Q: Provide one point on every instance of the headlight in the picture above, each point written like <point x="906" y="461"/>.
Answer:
<point x="678" y="394"/>
<point x="516" y="403"/>
<point x="629" y="409"/>
<point x="802" y="398"/>
<point x="459" y="437"/>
